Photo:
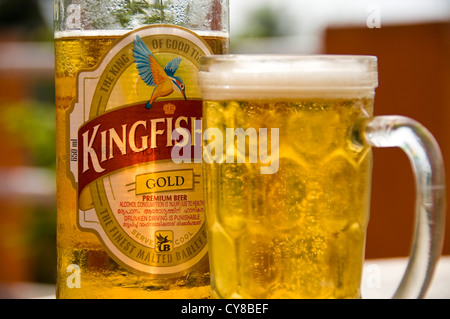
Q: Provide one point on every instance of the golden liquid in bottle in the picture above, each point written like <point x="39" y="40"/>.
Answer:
<point x="101" y="276"/>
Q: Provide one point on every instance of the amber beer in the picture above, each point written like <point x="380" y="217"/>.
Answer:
<point x="288" y="234"/>
<point x="119" y="235"/>
<point x="299" y="232"/>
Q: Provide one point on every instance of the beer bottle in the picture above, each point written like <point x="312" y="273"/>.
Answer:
<point x="130" y="218"/>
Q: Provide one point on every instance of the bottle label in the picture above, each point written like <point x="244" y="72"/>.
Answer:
<point x="146" y="209"/>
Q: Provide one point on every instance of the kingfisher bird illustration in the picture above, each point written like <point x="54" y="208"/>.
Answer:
<point x="153" y="74"/>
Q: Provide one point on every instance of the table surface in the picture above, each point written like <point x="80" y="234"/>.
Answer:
<point x="382" y="276"/>
<point x="380" y="280"/>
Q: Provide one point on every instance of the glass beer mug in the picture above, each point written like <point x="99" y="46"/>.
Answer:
<point x="287" y="167"/>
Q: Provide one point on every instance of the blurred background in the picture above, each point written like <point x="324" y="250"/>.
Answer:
<point x="410" y="37"/>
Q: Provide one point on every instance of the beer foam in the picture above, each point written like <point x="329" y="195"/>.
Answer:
<point x="244" y="77"/>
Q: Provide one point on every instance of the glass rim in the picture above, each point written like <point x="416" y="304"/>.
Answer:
<point x="370" y="62"/>
<point x="286" y="57"/>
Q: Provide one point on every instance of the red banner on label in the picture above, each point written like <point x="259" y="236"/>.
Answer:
<point x="132" y="135"/>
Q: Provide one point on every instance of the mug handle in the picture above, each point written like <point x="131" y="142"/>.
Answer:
<point x="429" y="174"/>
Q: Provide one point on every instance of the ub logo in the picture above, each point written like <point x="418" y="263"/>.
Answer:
<point x="164" y="241"/>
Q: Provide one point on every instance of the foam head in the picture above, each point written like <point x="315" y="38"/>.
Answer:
<point x="244" y="77"/>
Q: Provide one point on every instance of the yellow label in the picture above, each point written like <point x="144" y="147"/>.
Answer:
<point x="146" y="210"/>
<point x="164" y="181"/>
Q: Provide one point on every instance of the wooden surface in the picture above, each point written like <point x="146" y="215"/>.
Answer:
<point x="414" y="81"/>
